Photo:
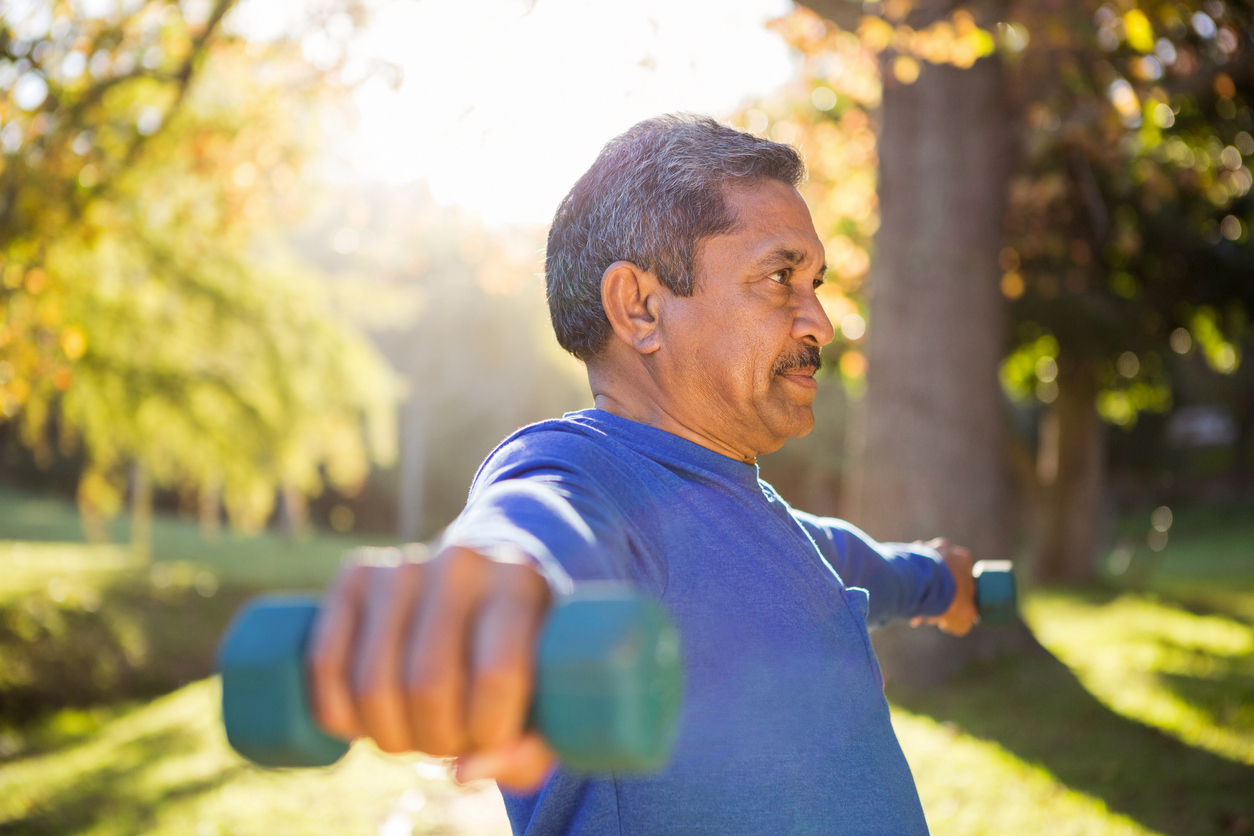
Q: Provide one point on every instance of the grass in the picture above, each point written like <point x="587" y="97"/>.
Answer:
<point x="265" y="560"/>
<point x="1137" y="755"/>
<point x="1135" y="716"/>
<point x="165" y="769"/>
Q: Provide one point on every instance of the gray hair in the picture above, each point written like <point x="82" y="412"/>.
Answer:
<point x="654" y="194"/>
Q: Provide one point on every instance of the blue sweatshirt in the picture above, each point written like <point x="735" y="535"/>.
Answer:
<point x="784" y="726"/>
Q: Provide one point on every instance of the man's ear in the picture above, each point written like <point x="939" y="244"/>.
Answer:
<point x="632" y="299"/>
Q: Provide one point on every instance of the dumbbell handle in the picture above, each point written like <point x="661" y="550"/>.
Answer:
<point x="608" y="682"/>
<point x="996" y="597"/>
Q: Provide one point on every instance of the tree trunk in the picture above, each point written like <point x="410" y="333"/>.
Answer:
<point x="1070" y="466"/>
<point x="294" y="514"/>
<point x="141" y="513"/>
<point x="209" y="499"/>
<point x="929" y="457"/>
<point x="412" y="467"/>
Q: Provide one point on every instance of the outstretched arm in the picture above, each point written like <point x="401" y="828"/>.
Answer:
<point x="437" y="656"/>
<point x="925" y="583"/>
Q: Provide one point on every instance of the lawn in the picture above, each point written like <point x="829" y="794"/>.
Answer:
<point x="1135" y="716"/>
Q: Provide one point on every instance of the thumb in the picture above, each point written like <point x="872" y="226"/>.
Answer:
<point x="520" y="766"/>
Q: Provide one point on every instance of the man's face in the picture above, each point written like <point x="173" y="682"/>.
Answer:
<point x="743" y="349"/>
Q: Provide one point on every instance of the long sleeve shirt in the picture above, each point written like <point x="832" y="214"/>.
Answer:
<point x="784" y="727"/>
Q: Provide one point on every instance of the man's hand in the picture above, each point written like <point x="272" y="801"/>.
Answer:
<point x="962" y="614"/>
<point x="435" y="657"/>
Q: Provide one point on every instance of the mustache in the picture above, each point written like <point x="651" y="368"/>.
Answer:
<point x="807" y="357"/>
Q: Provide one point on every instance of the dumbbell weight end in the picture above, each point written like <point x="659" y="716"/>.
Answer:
<point x="996" y="598"/>
<point x="265" y="702"/>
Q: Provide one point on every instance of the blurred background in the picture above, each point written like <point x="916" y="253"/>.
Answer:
<point x="271" y="287"/>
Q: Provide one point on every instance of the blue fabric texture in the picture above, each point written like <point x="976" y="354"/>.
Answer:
<point x="784" y="726"/>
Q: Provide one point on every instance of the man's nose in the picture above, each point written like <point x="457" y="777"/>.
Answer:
<point x="810" y="323"/>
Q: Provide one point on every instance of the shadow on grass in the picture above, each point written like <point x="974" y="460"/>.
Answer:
<point x="120" y="794"/>
<point x="138" y="642"/>
<point x="1034" y="707"/>
<point x="1228" y="604"/>
<point x="1223" y="690"/>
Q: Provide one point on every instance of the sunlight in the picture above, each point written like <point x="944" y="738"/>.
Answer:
<point x="504" y="103"/>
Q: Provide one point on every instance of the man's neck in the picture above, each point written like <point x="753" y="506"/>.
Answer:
<point x="650" y="411"/>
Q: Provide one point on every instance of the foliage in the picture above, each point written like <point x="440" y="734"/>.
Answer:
<point x="149" y="310"/>
<point x="1128" y="231"/>
<point x="828" y="113"/>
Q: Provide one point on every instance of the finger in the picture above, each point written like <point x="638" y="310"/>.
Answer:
<point x="916" y="621"/>
<point x="328" y="656"/>
<point x="940" y="544"/>
<point x="504" y="655"/>
<point x="521" y="767"/>
<point x="392" y="593"/>
<point x="438" y="656"/>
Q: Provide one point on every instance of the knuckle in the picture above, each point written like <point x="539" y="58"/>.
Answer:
<point x="374" y="690"/>
<point x="523" y="581"/>
<point x="500" y="683"/>
<point x="389" y="745"/>
<point x="440" y="743"/>
<point x="457" y="565"/>
<point x="369" y="694"/>
<point x="411" y="572"/>
<point x="322" y="668"/>
<point x="434" y="721"/>
<point x="426" y="698"/>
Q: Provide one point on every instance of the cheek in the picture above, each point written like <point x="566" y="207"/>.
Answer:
<point x="732" y="346"/>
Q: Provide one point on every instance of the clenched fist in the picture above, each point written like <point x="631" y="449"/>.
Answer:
<point x="962" y="614"/>
<point x="434" y="656"/>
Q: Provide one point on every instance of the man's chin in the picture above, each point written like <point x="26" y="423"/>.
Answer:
<point x="793" y="420"/>
<point x="806" y="425"/>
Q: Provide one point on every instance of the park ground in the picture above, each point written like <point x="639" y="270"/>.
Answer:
<point x="1137" y="717"/>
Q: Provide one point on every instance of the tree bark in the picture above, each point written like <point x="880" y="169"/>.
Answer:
<point x="141" y="513"/>
<point x="411" y="487"/>
<point x="928" y="450"/>
<point x="209" y="499"/>
<point x="293" y="513"/>
<point x="930" y="453"/>
<point x="1070" y="467"/>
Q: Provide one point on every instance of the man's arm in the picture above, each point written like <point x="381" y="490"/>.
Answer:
<point x="438" y="656"/>
<point x="925" y="583"/>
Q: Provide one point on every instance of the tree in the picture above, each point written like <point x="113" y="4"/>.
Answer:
<point x="1128" y="233"/>
<point x="151" y="310"/>
<point x="1124" y="231"/>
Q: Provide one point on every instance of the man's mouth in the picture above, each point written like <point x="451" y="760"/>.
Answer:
<point x="805" y="363"/>
<point x="802" y="378"/>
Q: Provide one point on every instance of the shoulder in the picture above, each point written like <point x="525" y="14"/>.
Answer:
<point x="566" y="445"/>
<point x="826" y="531"/>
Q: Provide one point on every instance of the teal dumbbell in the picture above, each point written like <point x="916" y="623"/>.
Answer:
<point x="995" y="595"/>
<point x="608" y="682"/>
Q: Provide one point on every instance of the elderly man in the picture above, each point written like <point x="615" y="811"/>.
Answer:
<point x="682" y="268"/>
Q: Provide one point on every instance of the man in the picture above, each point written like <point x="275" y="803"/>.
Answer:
<point x="682" y="268"/>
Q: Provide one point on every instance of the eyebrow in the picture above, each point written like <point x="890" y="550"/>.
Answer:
<point x="789" y="257"/>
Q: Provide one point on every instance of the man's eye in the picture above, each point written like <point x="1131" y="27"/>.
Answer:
<point x="781" y="276"/>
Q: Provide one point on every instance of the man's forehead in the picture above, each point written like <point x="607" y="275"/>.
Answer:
<point x="774" y="223"/>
